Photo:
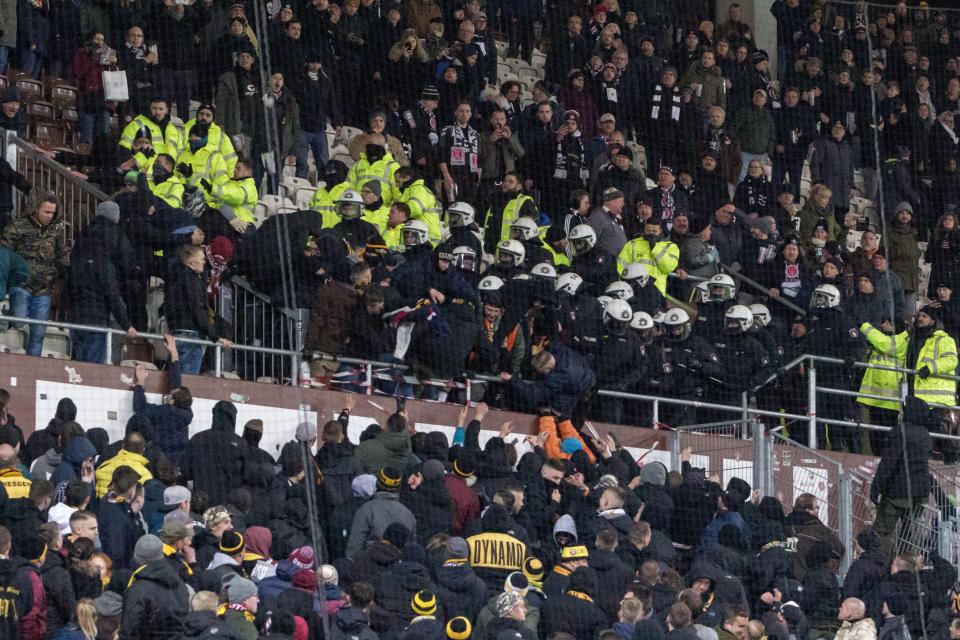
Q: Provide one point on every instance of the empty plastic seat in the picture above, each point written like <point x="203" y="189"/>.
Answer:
<point x="291" y="184"/>
<point x="13" y="339"/>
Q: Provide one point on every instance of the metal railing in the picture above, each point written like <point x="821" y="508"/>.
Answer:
<point x="78" y="198"/>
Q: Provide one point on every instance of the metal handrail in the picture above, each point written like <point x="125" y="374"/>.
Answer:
<point x="53" y="165"/>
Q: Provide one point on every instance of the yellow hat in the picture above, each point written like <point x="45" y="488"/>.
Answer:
<point x="389" y="479"/>
<point x="424" y="603"/>
<point x="459" y="628"/>
<point x="577" y="552"/>
<point x="533" y="569"/>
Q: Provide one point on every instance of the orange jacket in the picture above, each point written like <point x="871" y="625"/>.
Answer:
<point x="548" y="425"/>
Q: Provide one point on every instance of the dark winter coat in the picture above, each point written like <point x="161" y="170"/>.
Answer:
<point x="572" y="614"/>
<point x="60" y="597"/>
<point x="893" y="479"/>
<point x="468" y="589"/>
<point x="363" y="567"/>
<point x="155" y="604"/>
<point x="216" y="459"/>
<point x="350" y="623"/>
<point x="832" y="164"/>
<point x="431" y="506"/>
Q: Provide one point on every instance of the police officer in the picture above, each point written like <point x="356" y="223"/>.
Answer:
<point x="597" y="267"/>
<point x="461" y="219"/>
<point x="579" y="314"/>
<point x="829" y="331"/>
<point x="351" y="227"/>
<point x="620" y="365"/>
<point x="721" y="295"/>
<point x="525" y="230"/>
<point x="765" y="333"/>
<point x="683" y="363"/>
<point x="743" y="359"/>
<point x="658" y="254"/>
<point x="509" y="259"/>
<point x="646" y="296"/>
<point x="421" y="200"/>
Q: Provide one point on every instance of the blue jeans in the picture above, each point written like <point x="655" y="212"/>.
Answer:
<point x="26" y="305"/>
<point x="191" y="355"/>
<point x="89" y="346"/>
<point x="92" y="124"/>
<point x="782" y="168"/>
<point x="32" y="64"/>
<point x="317" y="142"/>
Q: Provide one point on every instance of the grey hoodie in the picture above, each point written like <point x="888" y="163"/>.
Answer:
<point x="44" y="466"/>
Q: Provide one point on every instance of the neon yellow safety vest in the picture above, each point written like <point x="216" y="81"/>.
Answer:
<point x="660" y="262"/>
<point x="377" y="217"/>
<point x="324" y="202"/>
<point x="889" y="351"/>
<point x="939" y="354"/>
<point x="423" y="207"/>
<point x="216" y="139"/>
<point x="510" y="214"/>
<point x="170" y="190"/>
<point x="207" y="164"/>
<point x="382" y="171"/>
<point x="167" y="141"/>
<point x="239" y="194"/>
<point x="560" y="258"/>
<point x="393" y="238"/>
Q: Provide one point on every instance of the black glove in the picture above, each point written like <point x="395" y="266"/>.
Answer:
<point x="185" y="170"/>
<point x="924" y="372"/>
<point x="206" y="185"/>
<point x="147" y="153"/>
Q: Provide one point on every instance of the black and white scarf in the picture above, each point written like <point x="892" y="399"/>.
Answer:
<point x="658" y="100"/>
<point x="468" y="140"/>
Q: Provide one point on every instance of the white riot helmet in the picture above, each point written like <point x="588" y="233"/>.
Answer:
<point x="461" y="214"/>
<point x="604" y="301"/>
<point x="700" y="293"/>
<point x="826" y="296"/>
<point x="658" y="319"/>
<point x="568" y="283"/>
<point x="676" y="324"/>
<point x="642" y="323"/>
<point x="582" y="238"/>
<point x="490" y="283"/>
<point x="414" y="233"/>
<point x="524" y="229"/>
<point x="511" y="253"/>
<point x="544" y="270"/>
<point x="761" y="315"/>
<point x="721" y="287"/>
<point x="636" y="274"/>
<point x="349" y="205"/>
<point x="619" y="290"/>
<point x="617" y="316"/>
<point x="465" y="258"/>
<point x="737" y="319"/>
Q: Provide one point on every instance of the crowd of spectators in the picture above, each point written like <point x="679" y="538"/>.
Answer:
<point x="410" y="535"/>
<point x="548" y="232"/>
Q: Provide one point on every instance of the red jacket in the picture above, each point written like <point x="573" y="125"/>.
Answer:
<point x="466" y="502"/>
<point x="33" y="626"/>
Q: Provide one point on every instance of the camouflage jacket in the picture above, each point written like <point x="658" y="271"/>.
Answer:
<point x="44" y="248"/>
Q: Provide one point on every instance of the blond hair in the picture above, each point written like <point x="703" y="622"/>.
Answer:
<point x="86" y="615"/>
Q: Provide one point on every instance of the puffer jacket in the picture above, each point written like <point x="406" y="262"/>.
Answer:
<point x="130" y="459"/>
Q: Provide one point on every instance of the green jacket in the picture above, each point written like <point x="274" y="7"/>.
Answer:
<point x="904" y="254"/>
<point x="44" y="249"/>
<point x="386" y="449"/>
<point x="808" y="222"/>
<point x="14" y="271"/>
<point x="713" y="92"/>
<point x="756" y="131"/>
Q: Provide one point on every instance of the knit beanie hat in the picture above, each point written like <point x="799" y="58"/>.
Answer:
<point x="109" y="210"/>
<point x="305" y="579"/>
<point x="424" y="603"/>
<point x="389" y="479"/>
<point x="302" y="558"/>
<point x="533" y="569"/>
<point x="459" y="628"/>
<point x="149" y="548"/>
<point x="238" y="588"/>
<point x="231" y="542"/>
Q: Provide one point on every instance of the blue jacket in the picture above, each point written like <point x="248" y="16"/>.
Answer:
<point x="77" y="451"/>
<point x="711" y="533"/>
<point x="171" y="425"/>
<point x="270" y="588"/>
<point x="563" y="387"/>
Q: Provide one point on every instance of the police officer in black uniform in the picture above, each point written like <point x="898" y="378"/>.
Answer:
<point x="829" y="331"/>
<point x="621" y="363"/>
<point x="743" y="359"/>
<point x="597" y="267"/>
<point x="711" y="314"/>
<point x="683" y="362"/>
<point x="579" y="314"/>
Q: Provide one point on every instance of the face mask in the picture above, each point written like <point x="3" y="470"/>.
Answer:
<point x="160" y="174"/>
<point x="196" y="145"/>
<point x="375" y="152"/>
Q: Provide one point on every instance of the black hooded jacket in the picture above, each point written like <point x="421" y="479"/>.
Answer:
<point x="216" y="459"/>
<point x="902" y="476"/>
<point x="156" y="603"/>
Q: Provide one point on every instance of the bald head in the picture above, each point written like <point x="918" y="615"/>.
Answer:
<point x="852" y="609"/>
